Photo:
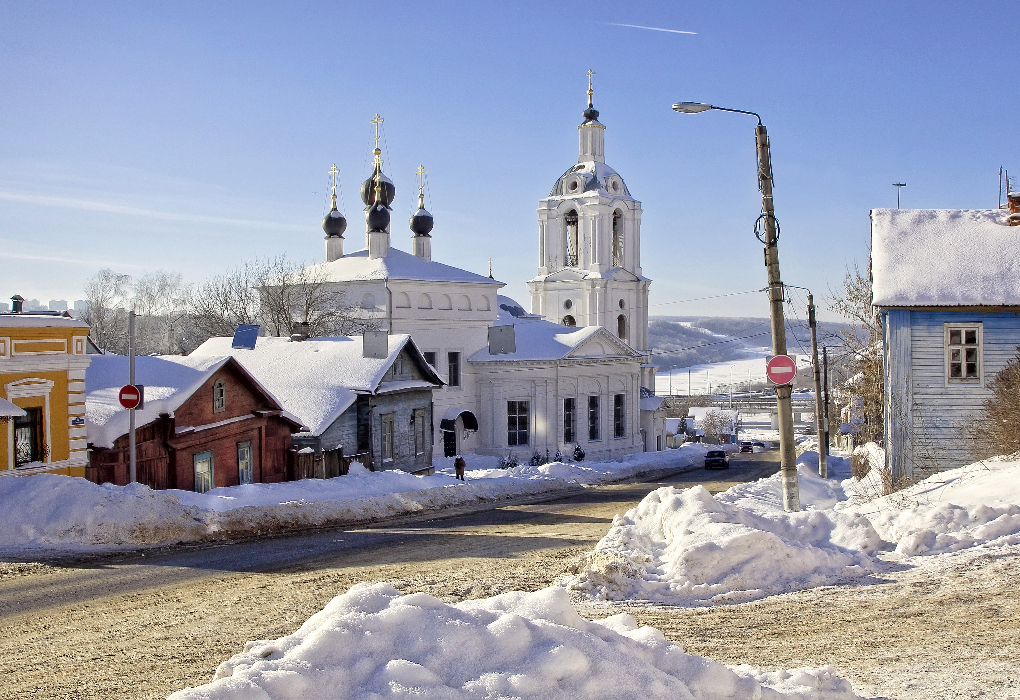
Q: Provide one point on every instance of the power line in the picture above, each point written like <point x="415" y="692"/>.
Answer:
<point x="717" y="296"/>
<point x="705" y="345"/>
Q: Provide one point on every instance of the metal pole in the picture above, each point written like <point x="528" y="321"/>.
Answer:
<point x="132" y="457"/>
<point x="787" y="449"/>
<point x="823" y="463"/>
<point x="825" y="364"/>
<point x="688" y="382"/>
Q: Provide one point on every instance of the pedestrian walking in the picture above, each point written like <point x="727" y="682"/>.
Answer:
<point x="458" y="466"/>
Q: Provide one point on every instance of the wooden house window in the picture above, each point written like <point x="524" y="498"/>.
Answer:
<point x="421" y="432"/>
<point x="219" y="400"/>
<point x="387" y="437"/>
<point x="244" y="465"/>
<point x="963" y="353"/>
<point x="204" y="471"/>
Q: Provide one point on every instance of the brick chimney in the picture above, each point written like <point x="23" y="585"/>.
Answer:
<point x="1013" y="199"/>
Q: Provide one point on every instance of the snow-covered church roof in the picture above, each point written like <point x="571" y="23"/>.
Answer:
<point x="315" y="379"/>
<point x="397" y="265"/>
<point x="944" y="257"/>
<point x="590" y="176"/>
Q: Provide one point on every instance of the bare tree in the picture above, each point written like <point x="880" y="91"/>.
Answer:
<point x="861" y="356"/>
<point x="223" y="302"/>
<point x="716" y="424"/>
<point x="997" y="430"/>
<point x="161" y="303"/>
<point x="107" y="301"/>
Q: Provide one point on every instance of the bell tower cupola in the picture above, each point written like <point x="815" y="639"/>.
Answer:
<point x="334" y="224"/>
<point x="422" y="222"/>
<point x="589" y="229"/>
<point x="377" y="193"/>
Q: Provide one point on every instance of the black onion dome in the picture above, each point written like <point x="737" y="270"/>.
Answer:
<point x="368" y="189"/>
<point x="334" y="224"/>
<point x="422" y="223"/>
<point x="591" y="114"/>
<point x="378" y="217"/>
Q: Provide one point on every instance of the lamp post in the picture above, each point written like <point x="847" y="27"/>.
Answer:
<point x="788" y="457"/>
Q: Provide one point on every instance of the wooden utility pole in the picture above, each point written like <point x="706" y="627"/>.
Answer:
<point x="132" y="457"/>
<point x="823" y="467"/>
<point x="787" y="449"/>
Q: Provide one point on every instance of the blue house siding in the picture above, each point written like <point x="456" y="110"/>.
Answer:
<point x="927" y="418"/>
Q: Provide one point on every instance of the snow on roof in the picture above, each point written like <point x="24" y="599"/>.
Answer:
<point x="651" y="403"/>
<point x="944" y="257"/>
<point x="673" y="425"/>
<point x="40" y="321"/>
<point x="543" y="340"/>
<point x="315" y="379"/>
<point x="169" y="382"/>
<point x="508" y="311"/>
<point x="9" y="410"/>
<point x="397" y="265"/>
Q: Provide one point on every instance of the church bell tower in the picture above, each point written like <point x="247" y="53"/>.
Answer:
<point x="589" y="268"/>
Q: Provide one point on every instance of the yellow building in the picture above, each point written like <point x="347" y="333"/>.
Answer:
<point x="42" y="371"/>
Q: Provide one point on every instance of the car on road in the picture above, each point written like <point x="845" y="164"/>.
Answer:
<point x="746" y="446"/>
<point x="757" y="446"/>
<point x="716" y="459"/>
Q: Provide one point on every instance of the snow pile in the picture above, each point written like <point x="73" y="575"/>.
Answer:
<point x="51" y="510"/>
<point x="372" y="642"/>
<point x="688" y="547"/>
<point x="974" y="505"/>
<point x="62" y="511"/>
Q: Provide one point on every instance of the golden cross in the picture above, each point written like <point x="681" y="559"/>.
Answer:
<point x="590" y="74"/>
<point x="490" y="267"/>
<point x="333" y="173"/>
<point x="420" y="172"/>
<point x="377" y="121"/>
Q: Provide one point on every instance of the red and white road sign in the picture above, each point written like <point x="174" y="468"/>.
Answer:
<point x="781" y="370"/>
<point x="129" y="396"/>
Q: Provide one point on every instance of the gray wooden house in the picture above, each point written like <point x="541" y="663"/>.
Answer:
<point x="374" y="409"/>
<point x="947" y="286"/>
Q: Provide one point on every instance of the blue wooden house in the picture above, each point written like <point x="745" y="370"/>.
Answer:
<point x="947" y="286"/>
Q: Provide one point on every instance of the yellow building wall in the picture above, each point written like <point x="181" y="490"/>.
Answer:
<point x="43" y="366"/>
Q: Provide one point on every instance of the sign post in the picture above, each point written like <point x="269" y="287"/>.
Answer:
<point x="132" y="457"/>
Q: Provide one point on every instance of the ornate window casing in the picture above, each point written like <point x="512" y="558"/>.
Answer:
<point x="31" y="388"/>
<point x="573" y="238"/>
<point x="963" y="353"/>
<point x="617" y="238"/>
<point x="219" y="393"/>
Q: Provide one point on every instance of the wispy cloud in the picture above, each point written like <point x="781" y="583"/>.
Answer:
<point x="113" y="208"/>
<point x="654" y="29"/>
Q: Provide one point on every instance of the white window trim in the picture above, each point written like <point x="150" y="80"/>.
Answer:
<point x="24" y="389"/>
<point x="977" y="325"/>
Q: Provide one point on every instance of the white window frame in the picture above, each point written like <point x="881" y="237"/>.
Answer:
<point x="388" y="439"/>
<point x="219" y="391"/>
<point x="30" y="387"/>
<point x="250" y="471"/>
<point x="198" y="457"/>
<point x="947" y="353"/>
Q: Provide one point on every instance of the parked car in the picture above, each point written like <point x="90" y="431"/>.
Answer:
<point x="758" y="446"/>
<point x="716" y="459"/>
<point x="746" y="446"/>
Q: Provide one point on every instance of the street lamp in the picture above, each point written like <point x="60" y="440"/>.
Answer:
<point x="767" y="219"/>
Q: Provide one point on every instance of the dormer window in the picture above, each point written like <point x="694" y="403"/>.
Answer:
<point x="569" y="321"/>
<point x="219" y="394"/>
<point x="572" y="237"/>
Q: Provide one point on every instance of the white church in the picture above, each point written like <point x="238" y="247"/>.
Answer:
<point x="572" y="372"/>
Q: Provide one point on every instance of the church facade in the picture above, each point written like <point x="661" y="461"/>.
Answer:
<point x="567" y="374"/>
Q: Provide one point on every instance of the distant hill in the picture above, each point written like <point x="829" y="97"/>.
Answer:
<point x="685" y="341"/>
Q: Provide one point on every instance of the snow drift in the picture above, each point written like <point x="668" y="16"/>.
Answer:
<point x="372" y="642"/>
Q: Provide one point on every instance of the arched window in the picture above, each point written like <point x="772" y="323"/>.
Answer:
<point x="465" y="302"/>
<point x="617" y="238"/>
<point x="403" y="301"/>
<point x="219" y="397"/>
<point x="572" y="238"/>
<point x="424" y="302"/>
<point x="568" y="320"/>
<point x="621" y="327"/>
<point x="444" y="302"/>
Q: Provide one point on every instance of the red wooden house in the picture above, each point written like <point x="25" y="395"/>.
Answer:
<point x="206" y="423"/>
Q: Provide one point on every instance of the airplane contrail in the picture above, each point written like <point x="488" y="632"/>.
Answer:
<point x="654" y="29"/>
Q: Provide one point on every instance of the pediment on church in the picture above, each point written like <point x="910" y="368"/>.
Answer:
<point x="603" y="344"/>
<point x="623" y="275"/>
<point x="566" y="275"/>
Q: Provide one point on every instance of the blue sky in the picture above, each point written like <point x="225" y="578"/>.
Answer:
<point x="191" y="135"/>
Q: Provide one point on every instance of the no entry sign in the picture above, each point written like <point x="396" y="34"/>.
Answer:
<point x="781" y="370"/>
<point x="130" y="396"/>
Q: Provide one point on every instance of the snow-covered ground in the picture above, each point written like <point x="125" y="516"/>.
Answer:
<point x="50" y="511"/>
<point x="717" y="377"/>
<point x="689" y="547"/>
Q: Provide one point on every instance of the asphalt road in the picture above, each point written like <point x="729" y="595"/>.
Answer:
<point x="149" y="622"/>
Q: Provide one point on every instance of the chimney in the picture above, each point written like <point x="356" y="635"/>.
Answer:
<point x="1013" y="199"/>
<point x="17" y="302"/>
<point x="299" y="331"/>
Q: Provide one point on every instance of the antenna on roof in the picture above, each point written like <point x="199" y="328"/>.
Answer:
<point x="898" y="185"/>
<point x="1001" y="172"/>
